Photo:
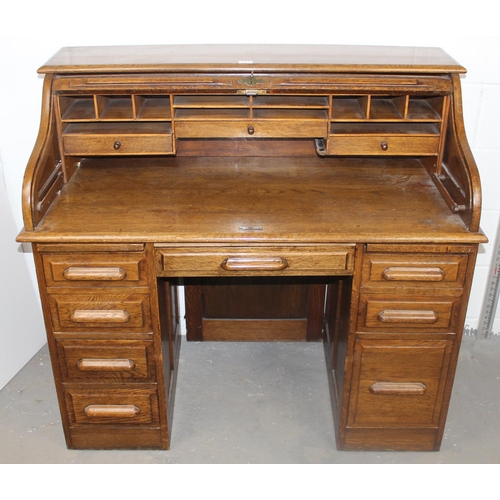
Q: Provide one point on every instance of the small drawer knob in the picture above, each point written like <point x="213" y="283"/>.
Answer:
<point x="117" y="145"/>
<point x="251" y="130"/>
<point x="384" y="146"/>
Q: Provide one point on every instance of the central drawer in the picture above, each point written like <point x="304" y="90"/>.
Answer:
<point x="251" y="128"/>
<point x="255" y="261"/>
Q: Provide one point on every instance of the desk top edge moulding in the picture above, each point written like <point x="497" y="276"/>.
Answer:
<point x="300" y="192"/>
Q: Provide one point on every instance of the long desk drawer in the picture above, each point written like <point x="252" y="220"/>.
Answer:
<point x="254" y="261"/>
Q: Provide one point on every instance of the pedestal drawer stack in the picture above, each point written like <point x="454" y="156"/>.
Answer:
<point x="99" y="317"/>
<point x="406" y="334"/>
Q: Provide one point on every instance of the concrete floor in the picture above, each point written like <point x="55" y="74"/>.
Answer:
<point x="254" y="403"/>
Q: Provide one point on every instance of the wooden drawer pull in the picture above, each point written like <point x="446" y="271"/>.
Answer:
<point x="112" y="411"/>
<point x="105" y="365"/>
<point x="398" y="388"/>
<point x="254" y="264"/>
<point x="413" y="274"/>
<point x="101" y="316"/>
<point x="407" y="316"/>
<point x="94" y="273"/>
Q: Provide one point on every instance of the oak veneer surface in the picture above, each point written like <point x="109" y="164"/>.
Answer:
<point x="296" y="58"/>
<point x="266" y="199"/>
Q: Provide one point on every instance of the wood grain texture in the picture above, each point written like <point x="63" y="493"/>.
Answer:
<point x="210" y="199"/>
<point x="313" y="58"/>
<point x="371" y="248"/>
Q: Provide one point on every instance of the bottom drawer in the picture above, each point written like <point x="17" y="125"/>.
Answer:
<point x="398" y="383"/>
<point x="106" y="406"/>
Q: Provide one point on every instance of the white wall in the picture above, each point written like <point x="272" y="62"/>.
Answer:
<point x="466" y="30"/>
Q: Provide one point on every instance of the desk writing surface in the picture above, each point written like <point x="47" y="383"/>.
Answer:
<point x="259" y="199"/>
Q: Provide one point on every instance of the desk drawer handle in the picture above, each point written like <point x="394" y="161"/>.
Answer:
<point x="94" y="273"/>
<point x="407" y="316"/>
<point x="112" y="411"/>
<point x="384" y="146"/>
<point x="105" y="365"/>
<point x="252" y="264"/>
<point x="117" y="145"/>
<point x="413" y="274"/>
<point x="100" y="316"/>
<point x="398" y="388"/>
<point x="251" y="130"/>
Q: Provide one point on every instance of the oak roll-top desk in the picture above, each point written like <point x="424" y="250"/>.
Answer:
<point x="301" y="193"/>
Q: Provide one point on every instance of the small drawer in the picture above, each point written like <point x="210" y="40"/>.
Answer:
<point x="268" y="261"/>
<point x="87" y="139"/>
<point x="408" y="314"/>
<point x="95" y="269"/>
<point x="383" y="145"/>
<point x="251" y="128"/>
<point x="112" y="406"/>
<point x="414" y="270"/>
<point x="398" y="383"/>
<point x="106" y="361"/>
<point x="100" y="312"/>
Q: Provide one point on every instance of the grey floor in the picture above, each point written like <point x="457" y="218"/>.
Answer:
<point x="254" y="403"/>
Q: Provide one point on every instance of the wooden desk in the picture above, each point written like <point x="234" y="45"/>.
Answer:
<point x="299" y="193"/>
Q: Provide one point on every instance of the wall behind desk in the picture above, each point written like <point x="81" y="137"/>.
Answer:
<point x="30" y="37"/>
